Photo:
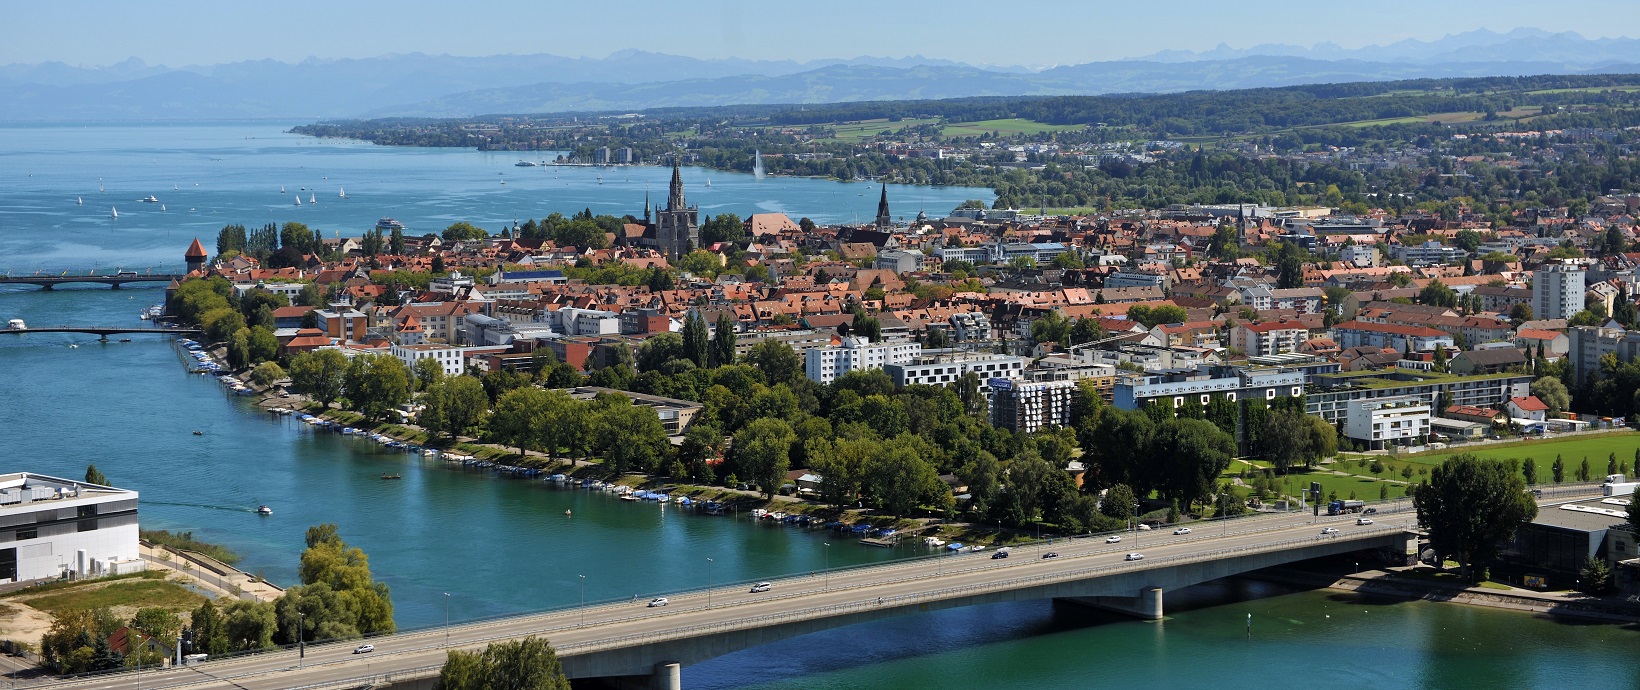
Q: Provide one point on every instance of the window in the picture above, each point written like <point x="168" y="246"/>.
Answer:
<point x="28" y="533"/>
<point x="87" y="525"/>
<point x="87" y="511"/>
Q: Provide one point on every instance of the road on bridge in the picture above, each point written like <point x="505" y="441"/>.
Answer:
<point x="599" y="627"/>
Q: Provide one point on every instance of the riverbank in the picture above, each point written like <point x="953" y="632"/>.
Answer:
<point x="1417" y="583"/>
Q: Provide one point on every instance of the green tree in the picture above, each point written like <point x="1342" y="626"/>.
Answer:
<point x="777" y="360"/>
<point x="95" y="476"/>
<point x="763" y="450"/>
<point x="1118" y="502"/>
<point x="1528" y="470"/>
<point x="900" y="479"/>
<point x="1051" y="327"/>
<point x="319" y="374"/>
<point x="1583" y="471"/>
<point x="696" y="346"/>
<point x="376" y="385"/>
<point x="427" y="371"/>
<point x="519" y="418"/>
<point x="221" y="323"/>
<point x="161" y="624"/>
<point x="1285" y="439"/>
<point x="1553" y="393"/>
<point x="453" y="406"/>
<point x="263" y="346"/>
<point x="527" y="664"/>
<point x="463" y="230"/>
<point x="628" y="436"/>
<point x="266" y="373"/>
<point x="1192" y="453"/>
<point x="1594" y="577"/>
<point x="1558" y="470"/>
<point x="210" y="631"/>
<point x="248" y="625"/>
<point x="1470" y="507"/>
<point x="723" y="342"/>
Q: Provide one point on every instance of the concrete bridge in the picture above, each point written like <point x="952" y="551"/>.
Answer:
<point x="114" y="280"/>
<point x="102" y="332"/>
<point x="631" y="645"/>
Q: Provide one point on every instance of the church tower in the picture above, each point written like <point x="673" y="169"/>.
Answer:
<point x="883" y="220"/>
<point x="677" y="227"/>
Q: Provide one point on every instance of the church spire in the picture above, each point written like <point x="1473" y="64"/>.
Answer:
<point x="646" y="205"/>
<point x="883" y="219"/>
<point x="674" y="198"/>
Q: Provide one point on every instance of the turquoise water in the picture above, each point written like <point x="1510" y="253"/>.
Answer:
<point x="503" y="546"/>
<point x="212" y="174"/>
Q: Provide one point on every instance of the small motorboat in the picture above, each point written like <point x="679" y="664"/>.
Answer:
<point x="567" y="512"/>
<point x="392" y="476"/>
<point x="264" y="510"/>
<point x="199" y="433"/>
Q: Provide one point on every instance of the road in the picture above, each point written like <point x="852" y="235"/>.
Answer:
<point x="621" y="624"/>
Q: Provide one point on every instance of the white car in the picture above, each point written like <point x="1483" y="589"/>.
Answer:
<point x="1182" y="530"/>
<point x="1135" y="557"/>
<point x="1144" y="527"/>
<point x="658" y="601"/>
<point x="1363" y="521"/>
<point x="761" y="587"/>
<point x="1113" y="539"/>
<point x="364" y="649"/>
<point x="1329" y="530"/>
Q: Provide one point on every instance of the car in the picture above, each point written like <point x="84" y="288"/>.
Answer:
<point x="1113" y="539"/>
<point x="999" y="554"/>
<point x="1144" y="527"/>
<point x="1182" y="530"/>
<point x="658" y="601"/>
<point x="1363" y="521"/>
<point x="1330" y="530"/>
<point x="761" y="587"/>
<point x="364" y="649"/>
<point x="1051" y="554"/>
<point x="1135" y="557"/>
<point x="1370" y="511"/>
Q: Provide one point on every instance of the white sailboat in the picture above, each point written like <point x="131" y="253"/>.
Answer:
<point x="162" y="208"/>
<point x="341" y="192"/>
<point x="78" y="201"/>
<point x="298" y="199"/>
<point x="313" y="198"/>
<point x="115" y="212"/>
<point x="281" y="189"/>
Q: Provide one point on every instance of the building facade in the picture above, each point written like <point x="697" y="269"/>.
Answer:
<point x="51" y="528"/>
<point x="825" y="364"/>
<point x="1557" y="290"/>
<point x="1026" y="407"/>
<point x="1383" y="422"/>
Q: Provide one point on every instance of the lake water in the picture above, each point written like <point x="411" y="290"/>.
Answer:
<point x="501" y="546"/>
<point x="53" y="216"/>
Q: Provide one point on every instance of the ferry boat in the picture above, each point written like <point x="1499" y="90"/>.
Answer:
<point x="526" y="164"/>
<point x="16" y="325"/>
<point x="388" y="225"/>
<point x="150" y="199"/>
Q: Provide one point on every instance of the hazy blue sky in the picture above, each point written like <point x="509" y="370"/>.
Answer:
<point x="1030" y="32"/>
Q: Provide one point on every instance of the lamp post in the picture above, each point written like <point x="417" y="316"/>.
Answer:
<point x="1135" y="525"/>
<point x="446" y="618"/>
<point x="583" y="599"/>
<point x="709" y="582"/>
<point x="827" y="584"/>
<point x="301" y="638"/>
<point x="139" y="656"/>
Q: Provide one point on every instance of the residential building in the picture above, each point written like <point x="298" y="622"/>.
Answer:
<point x="1430" y="252"/>
<point x="1587" y="344"/>
<point x="1529" y="407"/>
<point x="1557" y="290"/>
<point x="1268" y="338"/>
<point x="451" y="359"/>
<point x="898" y="261"/>
<point x="824" y="364"/>
<point x="970" y="326"/>
<point x="574" y="321"/>
<point x="1329" y="395"/>
<point x="945" y="369"/>
<point x="675" y="415"/>
<point x="1383" y="422"/>
<point x="61" y="527"/>
<point x="1025" y="407"/>
<point x="1488" y="361"/>
<point x="1201" y="384"/>
<point x="1358" y="333"/>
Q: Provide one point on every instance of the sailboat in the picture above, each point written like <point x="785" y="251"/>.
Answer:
<point x="281" y="189"/>
<point x="298" y="198"/>
<point x="313" y="198"/>
<point x="708" y="181"/>
<point x="78" y="201"/>
<point x="116" y="212"/>
<point x="162" y="208"/>
<point x="341" y="192"/>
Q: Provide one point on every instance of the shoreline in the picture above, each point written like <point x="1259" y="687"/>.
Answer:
<point x="1393" y="583"/>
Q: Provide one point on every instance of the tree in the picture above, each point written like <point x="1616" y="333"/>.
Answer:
<point x="723" y="341"/>
<point x="158" y="623"/>
<point x="1520" y="313"/>
<point x="338" y="594"/>
<point x="901" y="480"/>
<point x="248" y="625"/>
<point x="95" y="476"/>
<point x="1051" y="327"/>
<point x="266" y="373"/>
<point x="763" y="450"/>
<point x="453" y="405"/>
<point x="1438" y="294"/>
<point x="1558" y="470"/>
<point x="519" y="418"/>
<point x="1583" y="472"/>
<point x="1594" y="577"/>
<point x="628" y="436"/>
<point x="527" y="664"/>
<point x="777" y="360"/>
<point x="210" y="634"/>
<point x="463" y="230"/>
<point x="1470" y="506"/>
<point x="1285" y="439"/>
<point x="722" y="228"/>
<point x="1528" y="471"/>
<point x="376" y="385"/>
<point x="1118" y="502"/>
<point x="319" y="374"/>
<point x="1289" y="267"/>
<point x="263" y="345"/>
<point x="1553" y="393"/>
<point x="696" y="346"/>
<point x="220" y="324"/>
<point x="1189" y="454"/>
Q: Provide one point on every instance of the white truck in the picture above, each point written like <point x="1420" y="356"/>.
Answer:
<point x="1615" y="486"/>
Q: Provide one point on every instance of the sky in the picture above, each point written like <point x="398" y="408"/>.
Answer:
<point x="1019" y="32"/>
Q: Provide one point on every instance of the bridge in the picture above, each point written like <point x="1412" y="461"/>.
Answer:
<point x="114" y="280"/>
<point x="102" y="332"/>
<point x="631" y="645"/>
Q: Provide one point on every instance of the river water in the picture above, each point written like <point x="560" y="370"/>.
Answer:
<point x="500" y="546"/>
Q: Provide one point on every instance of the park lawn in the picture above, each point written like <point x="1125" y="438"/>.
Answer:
<point x="866" y="129"/>
<point x="1572" y="450"/>
<point x="1012" y="125"/>
<point x="1365" y="488"/>
<point x="135" y="593"/>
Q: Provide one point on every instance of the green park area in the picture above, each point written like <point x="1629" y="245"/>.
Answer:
<point x="147" y="589"/>
<point x="1572" y="449"/>
<point x="1012" y="125"/>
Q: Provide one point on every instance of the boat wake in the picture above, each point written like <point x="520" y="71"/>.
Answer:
<point x="231" y="509"/>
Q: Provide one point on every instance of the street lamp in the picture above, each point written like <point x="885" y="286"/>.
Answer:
<point x="1135" y="525"/>
<point x="708" y="582"/>
<point x="583" y="599"/>
<point x="446" y="618"/>
<point x="301" y="638"/>
<point x="828" y="565"/>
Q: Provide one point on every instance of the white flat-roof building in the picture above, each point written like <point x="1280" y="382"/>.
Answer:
<point x="451" y="359"/>
<point x="1385" y="421"/>
<point x="824" y="364"/>
<point x="52" y="527"/>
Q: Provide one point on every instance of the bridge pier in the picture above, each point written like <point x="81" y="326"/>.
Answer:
<point x="668" y="675"/>
<point x="1146" y="606"/>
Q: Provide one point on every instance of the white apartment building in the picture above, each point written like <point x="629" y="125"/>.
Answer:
<point x="573" y="321"/>
<point x="1557" y="290"/>
<point x="452" y="359"/>
<point x="1268" y="338"/>
<point x="1026" y="407"/>
<point x="52" y="527"/>
<point x="945" y="370"/>
<point x="824" y="364"/>
<point x="1388" y="421"/>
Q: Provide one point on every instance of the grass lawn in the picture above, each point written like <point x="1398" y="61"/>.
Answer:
<point x="1365" y="488"/>
<point x="136" y="592"/>
<point x="1013" y="125"/>
<point x="866" y="129"/>
<point x="1572" y="450"/>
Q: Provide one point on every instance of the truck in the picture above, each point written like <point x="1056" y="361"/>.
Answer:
<point x="1341" y="507"/>
<point x="1615" y="486"/>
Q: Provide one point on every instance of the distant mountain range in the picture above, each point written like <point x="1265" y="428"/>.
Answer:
<point x="420" y="85"/>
